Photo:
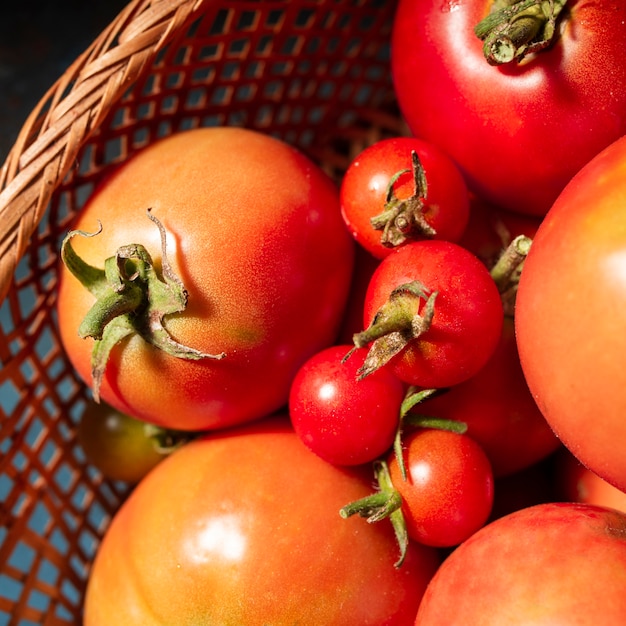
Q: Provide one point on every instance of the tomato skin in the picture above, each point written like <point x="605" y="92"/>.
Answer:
<point x="576" y="483"/>
<point x="344" y="420"/>
<point x="448" y="493"/>
<point x="546" y="564"/>
<point x="267" y="266"/>
<point x="117" y="444"/>
<point x="499" y="410"/>
<point x="262" y="544"/>
<point x="518" y="132"/>
<point x="363" y="190"/>
<point x="468" y="312"/>
<point x="571" y="314"/>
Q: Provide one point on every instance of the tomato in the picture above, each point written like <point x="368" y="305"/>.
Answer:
<point x="242" y="527"/>
<point x="253" y="230"/>
<point x="553" y="563"/>
<point x="344" y="420"/>
<point x="571" y="314"/>
<point x="407" y="199"/>
<point x="443" y="304"/>
<point x="519" y="131"/>
<point x="499" y="410"/>
<point x="122" y="447"/>
<point x="576" y="483"/>
<point x="448" y="492"/>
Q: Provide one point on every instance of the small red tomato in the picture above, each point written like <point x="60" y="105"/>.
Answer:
<point x="433" y="311"/>
<point x="448" y="491"/>
<point x="344" y="420"/>
<point x="402" y="189"/>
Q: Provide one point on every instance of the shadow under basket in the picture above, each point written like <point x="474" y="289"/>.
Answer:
<point x="314" y="73"/>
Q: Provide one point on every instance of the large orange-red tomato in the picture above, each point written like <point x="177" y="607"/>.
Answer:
<point x="554" y="563"/>
<point x="519" y="131"/>
<point x="243" y="527"/>
<point x="254" y="232"/>
<point x="571" y="315"/>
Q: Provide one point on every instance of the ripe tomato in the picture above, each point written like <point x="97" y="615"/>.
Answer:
<point x="344" y="420"/>
<point x="448" y="492"/>
<point x="499" y="410"/>
<point x="443" y="345"/>
<point x="122" y="447"/>
<point x="547" y="564"/>
<point x="427" y="199"/>
<point x="518" y="131"/>
<point x="254" y="231"/>
<point x="571" y="314"/>
<point x="243" y="528"/>
<point x="576" y="483"/>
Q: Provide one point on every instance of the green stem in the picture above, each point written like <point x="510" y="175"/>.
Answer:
<point x="515" y="29"/>
<point x="383" y="504"/>
<point x="131" y="298"/>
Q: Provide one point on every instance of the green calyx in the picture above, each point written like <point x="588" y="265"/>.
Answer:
<point x="386" y="503"/>
<point x="406" y="315"/>
<point x="132" y="298"/>
<point x="404" y="220"/>
<point x="516" y="28"/>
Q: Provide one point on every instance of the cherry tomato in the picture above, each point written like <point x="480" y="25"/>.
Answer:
<point x="448" y="491"/>
<point x="242" y="527"/>
<point x="122" y="447"/>
<point x="433" y="311"/>
<point x="402" y="189"/>
<point x="344" y="420"/>
<point x="571" y="315"/>
<point x="499" y="410"/>
<point x="253" y="230"/>
<point x="520" y="130"/>
<point x="546" y="564"/>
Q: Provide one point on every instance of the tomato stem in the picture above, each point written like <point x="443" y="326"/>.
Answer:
<point x="406" y="315"/>
<point x="413" y="397"/>
<point x="515" y="29"/>
<point x="507" y="270"/>
<point x="131" y="299"/>
<point x="404" y="220"/>
<point x="383" y="504"/>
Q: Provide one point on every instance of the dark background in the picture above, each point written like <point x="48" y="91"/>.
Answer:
<point x="39" y="39"/>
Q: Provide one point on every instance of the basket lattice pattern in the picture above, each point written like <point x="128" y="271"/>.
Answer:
<point x="312" y="72"/>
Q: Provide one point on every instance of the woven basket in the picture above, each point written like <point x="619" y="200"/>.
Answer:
<point x="312" y="72"/>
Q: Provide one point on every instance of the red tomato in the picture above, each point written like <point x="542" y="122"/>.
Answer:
<point x="448" y="492"/>
<point x="548" y="564"/>
<point x="427" y="201"/>
<point x="499" y="410"/>
<point x="466" y="321"/>
<point x="518" y="131"/>
<point x="254" y="232"/>
<point x="243" y="528"/>
<point x="576" y="483"/>
<point x="571" y="315"/>
<point x="344" y="420"/>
